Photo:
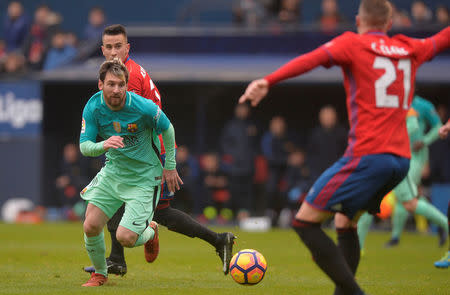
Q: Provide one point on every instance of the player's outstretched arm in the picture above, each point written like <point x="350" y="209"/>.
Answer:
<point x="444" y="130"/>
<point x="255" y="92"/>
<point x="258" y="89"/>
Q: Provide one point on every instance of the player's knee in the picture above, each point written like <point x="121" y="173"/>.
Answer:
<point x="91" y="228"/>
<point x="342" y="221"/>
<point x="126" y="239"/>
<point x="410" y="205"/>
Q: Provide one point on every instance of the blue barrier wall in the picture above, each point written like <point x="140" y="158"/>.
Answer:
<point x="20" y="140"/>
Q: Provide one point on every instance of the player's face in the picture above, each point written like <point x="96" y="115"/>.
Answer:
<point x="114" y="90"/>
<point x="115" y="46"/>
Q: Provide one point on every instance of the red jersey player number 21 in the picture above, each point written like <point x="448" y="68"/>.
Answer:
<point x="379" y="74"/>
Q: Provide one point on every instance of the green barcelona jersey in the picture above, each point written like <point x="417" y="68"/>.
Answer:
<point x="428" y="117"/>
<point x="139" y="122"/>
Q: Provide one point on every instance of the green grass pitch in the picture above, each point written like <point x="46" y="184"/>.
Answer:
<point x="48" y="258"/>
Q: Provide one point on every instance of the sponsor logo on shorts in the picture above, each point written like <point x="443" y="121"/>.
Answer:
<point x="337" y="207"/>
<point x="137" y="224"/>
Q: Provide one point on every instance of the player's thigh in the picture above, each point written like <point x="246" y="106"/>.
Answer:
<point x="100" y="193"/>
<point x="352" y="183"/>
<point x="139" y="210"/>
<point x="406" y="190"/>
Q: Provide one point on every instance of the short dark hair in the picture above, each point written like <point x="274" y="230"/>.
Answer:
<point x="115" y="30"/>
<point x="115" y="67"/>
<point x="376" y="12"/>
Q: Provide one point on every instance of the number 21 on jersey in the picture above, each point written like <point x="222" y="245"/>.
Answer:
<point x="382" y="98"/>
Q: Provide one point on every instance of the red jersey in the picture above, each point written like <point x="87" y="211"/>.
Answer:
<point x="379" y="77"/>
<point x="139" y="82"/>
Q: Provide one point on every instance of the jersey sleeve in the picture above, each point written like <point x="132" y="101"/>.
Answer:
<point x="155" y="117"/>
<point x="333" y="52"/>
<point x="412" y="124"/>
<point x="149" y="89"/>
<point x="338" y="49"/>
<point x="431" y="116"/>
<point x="89" y="128"/>
<point x="426" y="49"/>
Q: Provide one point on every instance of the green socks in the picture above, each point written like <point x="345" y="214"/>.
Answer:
<point x="148" y="234"/>
<point x="399" y="218"/>
<point x="364" y="223"/>
<point x="431" y="213"/>
<point x="95" y="247"/>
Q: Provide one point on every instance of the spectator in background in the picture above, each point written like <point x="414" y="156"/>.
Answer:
<point x="37" y="41"/>
<point x="421" y="14"/>
<point x="215" y="201"/>
<point x="249" y="12"/>
<point x="2" y="50"/>
<point x="297" y="185"/>
<point x="238" y="143"/>
<point x="442" y="15"/>
<point x="14" y="65"/>
<point x="71" y="180"/>
<point x="189" y="170"/>
<point x="327" y="142"/>
<point x="60" y="53"/>
<point x="275" y="146"/>
<point x="16" y="26"/>
<point x="330" y="18"/>
<point x="96" y="23"/>
<point x="400" y="19"/>
<point x="289" y="12"/>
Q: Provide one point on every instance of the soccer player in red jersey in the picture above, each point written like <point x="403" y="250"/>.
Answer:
<point x="115" y="45"/>
<point x="379" y="74"/>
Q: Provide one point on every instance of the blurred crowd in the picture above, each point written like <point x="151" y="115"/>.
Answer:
<point x="39" y="43"/>
<point x="258" y="12"/>
<point x="253" y="173"/>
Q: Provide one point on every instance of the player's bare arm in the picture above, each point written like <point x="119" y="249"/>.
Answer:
<point x="255" y="92"/>
<point x="114" y="142"/>
<point x="444" y="130"/>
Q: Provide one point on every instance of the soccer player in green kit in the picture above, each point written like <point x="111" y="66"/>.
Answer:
<point x="133" y="172"/>
<point x="420" y="117"/>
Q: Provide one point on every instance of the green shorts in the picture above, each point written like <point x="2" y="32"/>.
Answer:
<point x="407" y="189"/>
<point x="108" y="194"/>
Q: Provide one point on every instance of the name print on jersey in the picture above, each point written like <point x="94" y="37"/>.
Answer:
<point x="383" y="49"/>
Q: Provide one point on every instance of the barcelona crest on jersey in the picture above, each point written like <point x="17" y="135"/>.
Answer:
<point x="132" y="127"/>
<point x="117" y="126"/>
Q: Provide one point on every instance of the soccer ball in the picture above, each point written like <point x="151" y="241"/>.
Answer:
<point x="247" y="267"/>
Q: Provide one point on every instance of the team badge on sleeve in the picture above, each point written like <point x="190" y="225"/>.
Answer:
<point x="117" y="126"/>
<point x="83" y="126"/>
<point x="132" y="127"/>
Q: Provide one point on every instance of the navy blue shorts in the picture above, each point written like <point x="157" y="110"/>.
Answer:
<point x="357" y="183"/>
<point x="165" y="194"/>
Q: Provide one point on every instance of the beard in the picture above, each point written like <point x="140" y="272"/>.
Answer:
<point x="115" y="101"/>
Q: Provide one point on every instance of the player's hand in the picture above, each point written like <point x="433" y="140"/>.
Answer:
<point x="114" y="142"/>
<point x="418" y="145"/>
<point x="444" y="130"/>
<point x="255" y="92"/>
<point x="172" y="180"/>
